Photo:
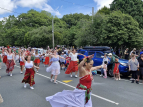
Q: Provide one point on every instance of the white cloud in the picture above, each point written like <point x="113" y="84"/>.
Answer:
<point x="7" y="4"/>
<point x="32" y="3"/>
<point x="102" y="3"/>
<point x="51" y="10"/>
<point x="40" y="4"/>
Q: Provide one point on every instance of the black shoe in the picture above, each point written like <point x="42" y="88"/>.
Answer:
<point x="132" y="81"/>
<point x="137" y="82"/>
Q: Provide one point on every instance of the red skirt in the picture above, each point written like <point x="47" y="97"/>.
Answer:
<point x="10" y="66"/>
<point x="29" y="77"/>
<point x="37" y="61"/>
<point x="46" y="61"/>
<point x="116" y="68"/>
<point x="22" y="63"/>
<point x="73" y="66"/>
<point x="4" y="59"/>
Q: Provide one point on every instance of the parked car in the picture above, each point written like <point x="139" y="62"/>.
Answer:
<point x="98" y="58"/>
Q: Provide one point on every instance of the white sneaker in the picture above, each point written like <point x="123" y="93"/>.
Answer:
<point x="101" y="75"/>
<point x="31" y="88"/>
<point x="37" y="71"/>
<point x="76" y="76"/>
<point x="131" y="79"/>
<point x="51" y="80"/>
<point x="0" y="68"/>
<point x="25" y="85"/>
<point x="55" y="82"/>
<point x="11" y="74"/>
<point x="71" y="76"/>
<point x="21" y="72"/>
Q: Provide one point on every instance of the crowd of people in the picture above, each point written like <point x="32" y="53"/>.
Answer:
<point x="57" y="59"/>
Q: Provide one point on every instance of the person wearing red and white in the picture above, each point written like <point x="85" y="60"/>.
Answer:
<point x="73" y="66"/>
<point x="21" y="62"/>
<point x="37" y="60"/>
<point x="10" y="62"/>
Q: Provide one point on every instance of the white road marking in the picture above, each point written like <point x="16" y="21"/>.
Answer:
<point x="75" y="87"/>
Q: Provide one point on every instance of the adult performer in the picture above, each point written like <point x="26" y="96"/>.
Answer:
<point x="47" y="58"/>
<point x="21" y="62"/>
<point x="81" y="96"/>
<point x="54" y="68"/>
<point x="4" y="56"/>
<point x="73" y="66"/>
<point x="29" y="74"/>
<point x="10" y="62"/>
<point x="37" y="60"/>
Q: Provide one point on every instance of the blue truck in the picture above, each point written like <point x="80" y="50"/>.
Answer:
<point x="98" y="52"/>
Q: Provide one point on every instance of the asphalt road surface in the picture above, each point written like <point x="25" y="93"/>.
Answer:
<point x="105" y="92"/>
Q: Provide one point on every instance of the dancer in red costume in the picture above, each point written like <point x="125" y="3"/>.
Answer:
<point x="81" y="96"/>
<point x="37" y="60"/>
<point x="4" y="56"/>
<point x="29" y="74"/>
<point x="46" y="58"/>
<point x="21" y="62"/>
<point x="10" y="62"/>
<point x="73" y="66"/>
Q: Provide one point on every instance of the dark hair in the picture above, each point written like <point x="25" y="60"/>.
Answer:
<point x="26" y="57"/>
<point x="73" y="49"/>
<point x="105" y="62"/>
<point x="88" y="61"/>
<point x="133" y="52"/>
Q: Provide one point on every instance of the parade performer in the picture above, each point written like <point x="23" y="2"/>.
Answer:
<point x="54" y="68"/>
<point x="46" y="62"/>
<point x="4" y="56"/>
<point x="16" y="55"/>
<point x="37" y="60"/>
<point x="29" y="74"/>
<point x="73" y="66"/>
<point x="21" y="62"/>
<point x="0" y="58"/>
<point x="10" y="62"/>
<point x="81" y="96"/>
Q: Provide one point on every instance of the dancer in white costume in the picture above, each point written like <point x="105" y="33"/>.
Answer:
<point x="54" y="68"/>
<point x="81" y="96"/>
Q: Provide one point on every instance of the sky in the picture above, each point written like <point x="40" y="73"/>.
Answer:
<point x="55" y="7"/>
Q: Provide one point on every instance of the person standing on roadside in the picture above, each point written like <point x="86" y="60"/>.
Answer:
<point x="140" y="71"/>
<point x="133" y="52"/>
<point x="126" y="53"/>
<point x="104" y="59"/>
<point x="133" y="67"/>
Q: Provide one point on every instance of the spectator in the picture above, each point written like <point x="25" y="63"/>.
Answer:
<point x="134" y="50"/>
<point x="140" y="71"/>
<point x="104" y="59"/>
<point x="116" y="70"/>
<point x="133" y="66"/>
<point x="112" y="56"/>
<point x="126" y="53"/>
<point x="105" y="69"/>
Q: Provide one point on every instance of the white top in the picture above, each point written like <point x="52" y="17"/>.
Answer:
<point x="29" y="65"/>
<point x="105" y="59"/>
<point x="5" y="53"/>
<point x="37" y="56"/>
<point x="21" y="59"/>
<point x="73" y="56"/>
<point x="9" y="57"/>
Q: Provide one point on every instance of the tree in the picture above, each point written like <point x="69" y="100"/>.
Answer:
<point x="131" y="7"/>
<point x="121" y="30"/>
<point x="105" y="10"/>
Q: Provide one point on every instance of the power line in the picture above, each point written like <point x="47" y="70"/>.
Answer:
<point x="10" y="10"/>
<point x="76" y="4"/>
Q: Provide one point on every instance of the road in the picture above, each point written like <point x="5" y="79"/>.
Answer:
<point x="105" y="92"/>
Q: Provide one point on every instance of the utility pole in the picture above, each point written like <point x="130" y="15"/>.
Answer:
<point x="53" y="31"/>
<point x="92" y="13"/>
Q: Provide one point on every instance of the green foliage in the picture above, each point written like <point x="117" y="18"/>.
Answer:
<point x="121" y="30"/>
<point x="105" y="10"/>
<point x="131" y="7"/>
